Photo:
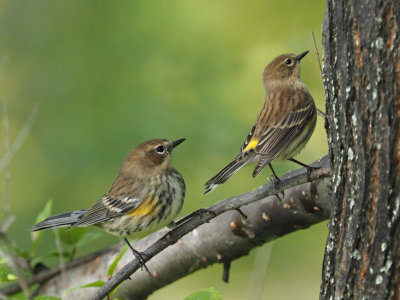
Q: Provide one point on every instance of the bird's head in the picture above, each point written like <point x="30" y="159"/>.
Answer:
<point x="153" y="156"/>
<point x="283" y="67"/>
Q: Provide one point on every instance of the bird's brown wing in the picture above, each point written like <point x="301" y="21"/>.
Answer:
<point x="110" y="206"/>
<point x="283" y="127"/>
<point x="107" y="207"/>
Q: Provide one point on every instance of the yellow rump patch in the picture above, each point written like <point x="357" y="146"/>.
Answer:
<point x="252" y="145"/>
<point x="144" y="208"/>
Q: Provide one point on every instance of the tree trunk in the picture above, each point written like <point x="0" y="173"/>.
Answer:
<point x="362" y="85"/>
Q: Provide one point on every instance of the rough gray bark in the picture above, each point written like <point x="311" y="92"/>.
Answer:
<point x="361" y="71"/>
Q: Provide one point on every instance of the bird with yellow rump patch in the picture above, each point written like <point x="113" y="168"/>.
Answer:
<point x="147" y="195"/>
<point x="283" y="126"/>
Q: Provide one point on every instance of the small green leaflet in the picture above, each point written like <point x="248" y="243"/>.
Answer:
<point x="98" y="283"/>
<point x="113" y="265"/>
<point x="46" y="298"/>
<point x="37" y="235"/>
<point x="207" y="294"/>
<point x="71" y="237"/>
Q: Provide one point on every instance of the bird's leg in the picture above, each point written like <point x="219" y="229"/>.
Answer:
<point x="277" y="181"/>
<point x="138" y="255"/>
<point x="200" y="212"/>
<point x="276" y="178"/>
<point x="309" y="168"/>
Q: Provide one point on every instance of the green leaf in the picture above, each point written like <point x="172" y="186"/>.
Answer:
<point x="207" y="294"/>
<point x="46" y="211"/>
<point x="26" y="254"/>
<point x="46" y="298"/>
<point x="5" y="275"/>
<point x="37" y="235"/>
<point x="55" y="253"/>
<point x="98" y="283"/>
<point x="114" y="290"/>
<point x="18" y="296"/>
<point x="89" y="237"/>
<point x="11" y="277"/>
<point x="71" y="237"/>
<point x="113" y="265"/>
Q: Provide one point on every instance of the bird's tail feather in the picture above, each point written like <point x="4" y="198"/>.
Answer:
<point x="60" y="220"/>
<point x="239" y="162"/>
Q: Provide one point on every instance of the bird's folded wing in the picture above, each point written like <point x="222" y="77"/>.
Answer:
<point x="108" y="207"/>
<point x="280" y="133"/>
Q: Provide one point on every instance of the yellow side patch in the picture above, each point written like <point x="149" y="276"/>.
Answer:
<point x="252" y="145"/>
<point x="144" y="208"/>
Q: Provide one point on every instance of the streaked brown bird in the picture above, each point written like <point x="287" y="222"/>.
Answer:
<point x="147" y="195"/>
<point x="284" y="124"/>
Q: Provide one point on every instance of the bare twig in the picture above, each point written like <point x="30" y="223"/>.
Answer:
<point x="12" y="261"/>
<point x="319" y="112"/>
<point x="5" y="160"/>
<point x="316" y="50"/>
<point x="261" y="262"/>
<point x="6" y="203"/>
<point x="60" y="251"/>
<point x="6" y="224"/>
<point x="290" y="180"/>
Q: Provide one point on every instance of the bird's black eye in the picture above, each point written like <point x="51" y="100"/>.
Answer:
<point x="288" y="61"/>
<point x="160" y="149"/>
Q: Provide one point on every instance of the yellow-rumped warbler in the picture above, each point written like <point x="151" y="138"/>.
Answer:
<point x="284" y="124"/>
<point x="147" y="194"/>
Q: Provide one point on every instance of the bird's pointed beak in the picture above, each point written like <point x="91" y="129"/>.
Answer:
<point x="177" y="142"/>
<point x="301" y="55"/>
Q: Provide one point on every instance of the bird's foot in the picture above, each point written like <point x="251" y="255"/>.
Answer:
<point x="140" y="256"/>
<point x="309" y="170"/>
<point x="277" y="182"/>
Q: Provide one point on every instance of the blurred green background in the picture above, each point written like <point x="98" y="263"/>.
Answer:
<point x="112" y="74"/>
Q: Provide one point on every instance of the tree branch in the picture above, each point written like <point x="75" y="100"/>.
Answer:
<point x="225" y="238"/>
<point x="290" y="180"/>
